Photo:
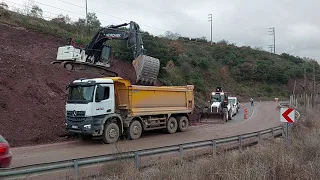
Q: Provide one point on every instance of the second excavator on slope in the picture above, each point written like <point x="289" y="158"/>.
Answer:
<point x="97" y="55"/>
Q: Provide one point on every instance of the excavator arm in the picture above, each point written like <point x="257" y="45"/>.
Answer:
<point x="113" y="32"/>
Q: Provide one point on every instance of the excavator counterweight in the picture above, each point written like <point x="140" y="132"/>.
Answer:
<point x="96" y="56"/>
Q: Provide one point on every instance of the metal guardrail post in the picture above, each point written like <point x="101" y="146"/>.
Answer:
<point x="137" y="160"/>
<point x="283" y="131"/>
<point x="181" y="151"/>
<point x="214" y="147"/>
<point x="272" y="132"/>
<point x="76" y="169"/>
<point x="240" y="143"/>
<point x="259" y="137"/>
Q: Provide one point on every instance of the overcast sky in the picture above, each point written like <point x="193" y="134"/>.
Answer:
<point x="243" y="22"/>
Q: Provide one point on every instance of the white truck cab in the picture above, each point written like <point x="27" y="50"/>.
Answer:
<point x="88" y="102"/>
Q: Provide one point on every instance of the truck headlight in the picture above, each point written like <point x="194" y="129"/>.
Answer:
<point x="88" y="126"/>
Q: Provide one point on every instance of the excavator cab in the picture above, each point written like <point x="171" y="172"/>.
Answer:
<point x="105" y="55"/>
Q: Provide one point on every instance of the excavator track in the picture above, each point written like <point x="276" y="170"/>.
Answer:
<point x="83" y="66"/>
<point x="147" y="69"/>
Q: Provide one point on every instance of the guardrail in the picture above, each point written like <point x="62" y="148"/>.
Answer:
<point x="76" y="163"/>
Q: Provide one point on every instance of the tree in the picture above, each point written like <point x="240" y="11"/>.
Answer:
<point x="36" y="11"/>
<point x="172" y="36"/>
<point x="26" y="6"/>
<point x="223" y="42"/>
<point x="62" y="19"/>
<point x="3" y="5"/>
<point x="93" y="20"/>
<point x="80" y="22"/>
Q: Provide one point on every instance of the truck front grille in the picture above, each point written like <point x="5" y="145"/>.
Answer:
<point x="76" y="114"/>
<point x="75" y="117"/>
<point x="214" y="109"/>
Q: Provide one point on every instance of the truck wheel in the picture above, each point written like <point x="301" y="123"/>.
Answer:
<point x="135" y="130"/>
<point x="111" y="133"/>
<point x="183" y="123"/>
<point x="172" y="125"/>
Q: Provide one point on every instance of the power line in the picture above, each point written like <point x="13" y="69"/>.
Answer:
<point x="146" y="33"/>
<point x="210" y="20"/>
<point x="110" y="15"/>
<point x="178" y="17"/>
<point x="73" y="19"/>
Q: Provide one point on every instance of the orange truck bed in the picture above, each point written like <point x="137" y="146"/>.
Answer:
<point x="152" y="100"/>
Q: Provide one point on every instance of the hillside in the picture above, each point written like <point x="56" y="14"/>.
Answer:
<point x="33" y="91"/>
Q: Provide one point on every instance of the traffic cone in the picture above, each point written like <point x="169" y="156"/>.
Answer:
<point x="245" y="113"/>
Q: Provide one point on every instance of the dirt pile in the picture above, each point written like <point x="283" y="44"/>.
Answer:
<point x="32" y="91"/>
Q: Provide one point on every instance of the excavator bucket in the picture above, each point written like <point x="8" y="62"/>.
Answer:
<point x="207" y="117"/>
<point x="147" y="69"/>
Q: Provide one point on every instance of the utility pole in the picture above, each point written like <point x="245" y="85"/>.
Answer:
<point x="294" y="92"/>
<point x="271" y="48"/>
<point x="314" y="85"/>
<point x="273" y="33"/>
<point x="86" y="13"/>
<point x="210" y="20"/>
<point x="304" y="88"/>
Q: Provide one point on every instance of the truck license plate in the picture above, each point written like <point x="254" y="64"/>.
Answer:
<point x="75" y="127"/>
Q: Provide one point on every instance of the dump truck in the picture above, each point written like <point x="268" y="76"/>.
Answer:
<point x="219" y="106"/>
<point x="109" y="108"/>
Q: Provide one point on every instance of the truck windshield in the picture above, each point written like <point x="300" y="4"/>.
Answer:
<point x="233" y="101"/>
<point x="216" y="98"/>
<point x="80" y="94"/>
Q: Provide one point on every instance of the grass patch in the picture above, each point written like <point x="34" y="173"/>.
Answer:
<point x="268" y="160"/>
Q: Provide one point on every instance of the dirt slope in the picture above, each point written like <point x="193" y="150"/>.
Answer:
<point x="32" y="91"/>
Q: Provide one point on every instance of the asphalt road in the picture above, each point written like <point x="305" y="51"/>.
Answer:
<point x="261" y="116"/>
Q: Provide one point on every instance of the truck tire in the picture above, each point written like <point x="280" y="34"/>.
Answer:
<point x="183" y="123"/>
<point x="172" y="125"/>
<point x="110" y="133"/>
<point x="134" y="131"/>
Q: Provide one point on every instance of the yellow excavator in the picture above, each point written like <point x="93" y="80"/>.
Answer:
<point x="96" y="55"/>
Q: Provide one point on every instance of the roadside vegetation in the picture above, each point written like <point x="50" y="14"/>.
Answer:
<point x="242" y="71"/>
<point x="270" y="159"/>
